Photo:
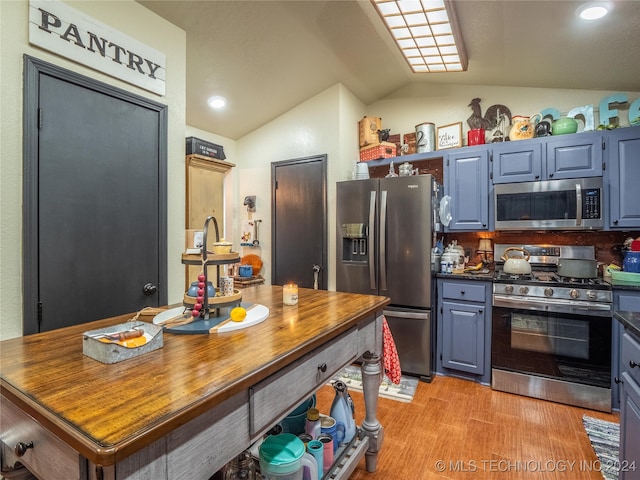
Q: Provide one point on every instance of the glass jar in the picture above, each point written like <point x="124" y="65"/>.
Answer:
<point x="240" y="468"/>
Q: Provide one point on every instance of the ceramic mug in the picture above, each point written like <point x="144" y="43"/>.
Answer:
<point x="337" y="430"/>
<point x="226" y="286"/>
<point x="246" y="271"/>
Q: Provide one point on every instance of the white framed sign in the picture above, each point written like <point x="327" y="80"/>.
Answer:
<point x="63" y="30"/>
<point x="449" y="136"/>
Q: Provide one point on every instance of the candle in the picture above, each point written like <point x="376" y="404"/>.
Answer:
<point x="290" y="294"/>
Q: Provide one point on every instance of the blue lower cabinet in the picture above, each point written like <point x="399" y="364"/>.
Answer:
<point x="464" y="329"/>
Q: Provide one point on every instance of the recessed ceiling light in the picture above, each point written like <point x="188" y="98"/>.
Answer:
<point x="217" y="102"/>
<point x="592" y="11"/>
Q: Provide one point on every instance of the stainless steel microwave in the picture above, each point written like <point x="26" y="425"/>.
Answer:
<point x="574" y="204"/>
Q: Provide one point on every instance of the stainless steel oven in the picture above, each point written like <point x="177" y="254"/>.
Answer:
<point x="551" y="336"/>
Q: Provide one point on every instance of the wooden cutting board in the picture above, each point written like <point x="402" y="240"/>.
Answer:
<point x="221" y="323"/>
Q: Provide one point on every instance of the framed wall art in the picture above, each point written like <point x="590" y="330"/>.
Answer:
<point x="449" y="136"/>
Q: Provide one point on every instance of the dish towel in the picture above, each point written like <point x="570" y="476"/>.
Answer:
<point x="246" y="240"/>
<point x="390" y="359"/>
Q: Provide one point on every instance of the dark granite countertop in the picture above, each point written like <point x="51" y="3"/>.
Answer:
<point x="621" y="286"/>
<point x="631" y="320"/>
<point x="485" y="277"/>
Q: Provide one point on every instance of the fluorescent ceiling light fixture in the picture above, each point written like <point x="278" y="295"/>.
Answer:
<point x="426" y="32"/>
<point x="217" y="102"/>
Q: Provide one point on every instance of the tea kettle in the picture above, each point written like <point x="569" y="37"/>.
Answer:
<point x="516" y="265"/>
<point x="342" y="409"/>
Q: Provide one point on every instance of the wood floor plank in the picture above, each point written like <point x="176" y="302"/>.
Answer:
<point x="455" y="429"/>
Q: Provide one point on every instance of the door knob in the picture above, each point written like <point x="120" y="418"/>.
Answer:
<point x="21" y="448"/>
<point x="149" y="289"/>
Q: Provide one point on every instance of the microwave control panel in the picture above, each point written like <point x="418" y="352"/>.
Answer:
<point x="591" y="203"/>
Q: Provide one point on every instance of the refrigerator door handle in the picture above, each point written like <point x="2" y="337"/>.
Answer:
<point x="383" y="242"/>
<point x="372" y="240"/>
<point x="423" y="315"/>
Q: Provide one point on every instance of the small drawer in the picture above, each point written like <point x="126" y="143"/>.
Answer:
<point x="630" y="355"/>
<point x="627" y="302"/>
<point x="273" y="398"/>
<point x="464" y="291"/>
<point x="49" y="457"/>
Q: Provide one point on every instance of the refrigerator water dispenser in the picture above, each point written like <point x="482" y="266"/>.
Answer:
<point x="354" y="242"/>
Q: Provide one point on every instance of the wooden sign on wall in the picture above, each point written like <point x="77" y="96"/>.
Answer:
<point x="67" y="32"/>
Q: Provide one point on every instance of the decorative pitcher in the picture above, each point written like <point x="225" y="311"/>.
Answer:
<point x="342" y="409"/>
<point x="523" y="127"/>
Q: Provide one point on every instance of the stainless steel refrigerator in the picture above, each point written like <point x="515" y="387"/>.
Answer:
<point x="384" y="237"/>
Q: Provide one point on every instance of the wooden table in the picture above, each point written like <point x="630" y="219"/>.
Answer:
<point x="185" y="410"/>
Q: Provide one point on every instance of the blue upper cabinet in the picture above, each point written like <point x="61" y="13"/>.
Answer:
<point x="568" y="156"/>
<point x="466" y="173"/>
<point x="575" y="156"/>
<point x="515" y="162"/>
<point x="622" y="178"/>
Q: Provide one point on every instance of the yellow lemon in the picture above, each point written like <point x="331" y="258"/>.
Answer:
<point x="238" y="314"/>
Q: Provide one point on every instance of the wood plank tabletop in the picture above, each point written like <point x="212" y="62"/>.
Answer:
<point x="109" y="411"/>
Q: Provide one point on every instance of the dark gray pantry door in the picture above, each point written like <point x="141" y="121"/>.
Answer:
<point x="94" y="199"/>
<point x="299" y="221"/>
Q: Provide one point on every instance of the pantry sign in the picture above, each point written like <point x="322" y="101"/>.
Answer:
<point x="67" y="32"/>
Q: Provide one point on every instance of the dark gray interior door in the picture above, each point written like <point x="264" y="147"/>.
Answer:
<point x="299" y="221"/>
<point x="100" y="204"/>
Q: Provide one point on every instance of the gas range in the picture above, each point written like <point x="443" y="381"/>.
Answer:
<point x="543" y="287"/>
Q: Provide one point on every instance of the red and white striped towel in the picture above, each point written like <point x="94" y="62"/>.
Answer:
<point x="390" y="359"/>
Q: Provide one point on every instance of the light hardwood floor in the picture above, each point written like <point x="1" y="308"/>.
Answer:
<point x="457" y="429"/>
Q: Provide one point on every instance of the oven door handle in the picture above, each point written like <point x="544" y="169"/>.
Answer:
<point x="552" y="305"/>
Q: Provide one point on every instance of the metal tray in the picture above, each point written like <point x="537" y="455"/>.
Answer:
<point x="114" y="353"/>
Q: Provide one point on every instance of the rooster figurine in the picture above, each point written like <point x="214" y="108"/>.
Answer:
<point x="491" y="117"/>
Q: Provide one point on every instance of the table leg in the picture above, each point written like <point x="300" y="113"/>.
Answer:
<point x="371" y="377"/>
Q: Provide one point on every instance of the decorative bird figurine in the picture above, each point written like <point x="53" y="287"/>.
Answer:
<point x="491" y="116"/>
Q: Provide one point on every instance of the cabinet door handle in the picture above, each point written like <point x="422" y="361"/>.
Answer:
<point x="322" y="367"/>
<point x="633" y="364"/>
<point x="21" y="448"/>
<point x="480" y="311"/>
<point x="617" y="380"/>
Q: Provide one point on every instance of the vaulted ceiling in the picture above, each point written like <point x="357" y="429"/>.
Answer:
<point x="267" y="56"/>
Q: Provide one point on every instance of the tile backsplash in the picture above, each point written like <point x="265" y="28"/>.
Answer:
<point x="608" y="244"/>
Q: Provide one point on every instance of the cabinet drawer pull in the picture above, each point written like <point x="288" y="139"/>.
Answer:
<point x="462" y="292"/>
<point x="633" y="364"/>
<point x="322" y="367"/>
<point x="21" y="448"/>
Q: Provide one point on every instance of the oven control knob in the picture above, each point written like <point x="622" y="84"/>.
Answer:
<point x="573" y="293"/>
<point x="524" y="290"/>
<point x="591" y="295"/>
<point x="508" y="289"/>
<point x="548" y="292"/>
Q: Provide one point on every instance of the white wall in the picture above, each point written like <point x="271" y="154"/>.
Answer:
<point x="321" y="125"/>
<point x="402" y="110"/>
<point x="131" y="19"/>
